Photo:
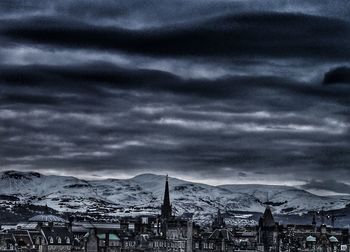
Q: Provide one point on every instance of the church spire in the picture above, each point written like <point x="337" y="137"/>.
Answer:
<point x="267" y="218"/>
<point x="166" y="207"/>
<point x="219" y="221"/>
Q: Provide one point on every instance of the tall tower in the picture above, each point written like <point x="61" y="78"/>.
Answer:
<point x="219" y="221"/>
<point x="166" y="207"/>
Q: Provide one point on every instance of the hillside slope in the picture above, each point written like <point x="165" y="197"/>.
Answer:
<point x="144" y="193"/>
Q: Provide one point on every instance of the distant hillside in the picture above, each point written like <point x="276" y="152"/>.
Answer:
<point x="143" y="195"/>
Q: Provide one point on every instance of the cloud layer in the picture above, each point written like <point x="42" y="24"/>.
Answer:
<point x="226" y="91"/>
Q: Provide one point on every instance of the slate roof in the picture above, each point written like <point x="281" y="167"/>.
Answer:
<point x="57" y="232"/>
<point x="46" y="218"/>
<point x="27" y="226"/>
<point x="22" y="238"/>
<point x="34" y="235"/>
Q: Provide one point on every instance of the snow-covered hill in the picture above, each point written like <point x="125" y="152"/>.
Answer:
<point x="144" y="193"/>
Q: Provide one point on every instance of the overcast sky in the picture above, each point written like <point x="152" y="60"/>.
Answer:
<point x="216" y="91"/>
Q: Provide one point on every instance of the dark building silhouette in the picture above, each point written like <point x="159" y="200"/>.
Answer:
<point x="166" y="207"/>
<point x="268" y="231"/>
<point x="218" y="222"/>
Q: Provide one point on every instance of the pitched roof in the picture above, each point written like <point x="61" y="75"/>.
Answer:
<point x="23" y="239"/>
<point x="57" y="232"/>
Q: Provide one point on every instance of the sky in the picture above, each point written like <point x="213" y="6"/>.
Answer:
<point x="215" y="91"/>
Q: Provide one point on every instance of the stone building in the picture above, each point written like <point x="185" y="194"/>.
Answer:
<point x="268" y="232"/>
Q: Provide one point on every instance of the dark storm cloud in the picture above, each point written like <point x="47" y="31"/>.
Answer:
<point x="28" y="99"/>
<point x="82" y="75"/>
<point x="94" y="77"/>
<point x="338" y="75"/>
<point x="138" y="13"/>
<point x="260" y="34"/>
<point x="168" y="121"/>
<point x="213" y="90"/>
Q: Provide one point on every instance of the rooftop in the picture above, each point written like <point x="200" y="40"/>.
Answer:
<point x="46" y="218"/>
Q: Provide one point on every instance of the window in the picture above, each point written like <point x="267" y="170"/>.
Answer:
<point x="50" y="240"/>
<point x="59" y="240"/>
<point x="205" y="245"/>
<point x="67" y="240"/>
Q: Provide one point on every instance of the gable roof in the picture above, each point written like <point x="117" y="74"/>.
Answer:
<point x="57" y="232"/>
<point x="23" y="239"/>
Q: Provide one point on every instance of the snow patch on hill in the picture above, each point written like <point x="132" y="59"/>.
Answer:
<point x="143" y="195"/>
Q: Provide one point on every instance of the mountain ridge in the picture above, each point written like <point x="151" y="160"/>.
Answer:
<point x="143" y="194"/>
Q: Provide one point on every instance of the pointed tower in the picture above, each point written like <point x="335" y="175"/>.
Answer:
<point x="166" y="207"/>
<point x="268" y="231"/>
<point x="267" y="219"/>
<point x="219" y="221"/>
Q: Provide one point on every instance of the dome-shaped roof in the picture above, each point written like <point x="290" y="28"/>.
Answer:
<point x="221" y="234"/>
<point x="333" y="239"/>
<point x="311" y="239"/>
<point x="46" y="218"/>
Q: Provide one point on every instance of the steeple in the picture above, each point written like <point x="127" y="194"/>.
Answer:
<point x="166" y="207"/>
<point x="267" y="219"/>
<point x="218" y="222"/>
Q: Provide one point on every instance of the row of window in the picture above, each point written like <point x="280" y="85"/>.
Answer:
<point x="59" y="240"/>
<point x="167" y="244"/>
<point x="205" y="245"/>
<point x="127" y="244"/>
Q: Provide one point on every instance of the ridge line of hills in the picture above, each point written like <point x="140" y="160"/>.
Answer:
<point x="143" y="194"/>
